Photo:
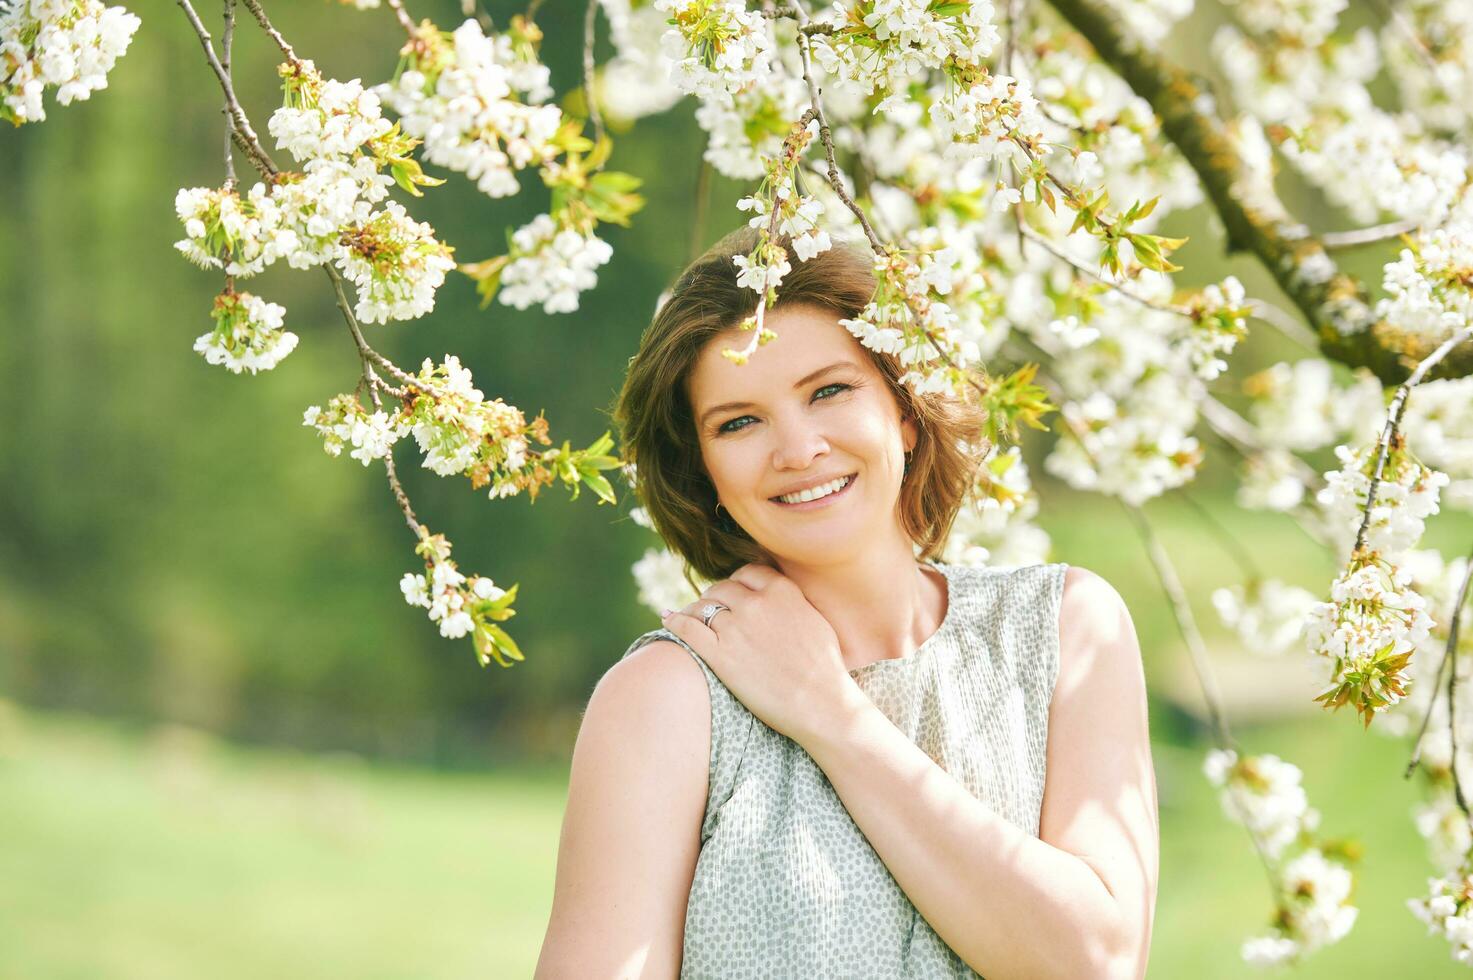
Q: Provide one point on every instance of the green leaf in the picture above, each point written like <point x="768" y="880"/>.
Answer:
<point x="600" y="485"/>
<point x="501" y="643"/>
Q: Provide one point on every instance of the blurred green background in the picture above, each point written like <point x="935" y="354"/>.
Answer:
<point x="229" y="748"/>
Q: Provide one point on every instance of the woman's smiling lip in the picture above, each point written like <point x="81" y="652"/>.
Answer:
<point x="821" y="501"/>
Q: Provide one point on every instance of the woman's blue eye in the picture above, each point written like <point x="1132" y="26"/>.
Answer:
<point x="731" y="426"/>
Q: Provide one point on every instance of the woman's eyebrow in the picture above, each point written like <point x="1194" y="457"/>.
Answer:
<point x="728" y="406"/>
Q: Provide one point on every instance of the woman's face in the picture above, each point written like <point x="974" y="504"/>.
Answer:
<point x="807" y="409"/>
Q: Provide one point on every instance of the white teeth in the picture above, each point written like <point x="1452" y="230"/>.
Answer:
<point x="804" y="496"/>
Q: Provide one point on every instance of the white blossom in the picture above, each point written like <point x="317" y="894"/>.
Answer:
<point x="69" y="45"/>
<point x="551" y="265"/>
<point x="248" y="335"/>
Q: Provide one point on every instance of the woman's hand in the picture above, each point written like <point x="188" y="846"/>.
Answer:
<point x="772" y="649"/>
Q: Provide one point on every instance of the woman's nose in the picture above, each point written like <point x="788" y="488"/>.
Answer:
<point x="799" y="442"/>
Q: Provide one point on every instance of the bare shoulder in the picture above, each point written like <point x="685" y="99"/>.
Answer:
<point x="660" y="677"/>
<point x="1093" y="621"/>
<point x="631" y="829"/>
<point x="654" y="700"/>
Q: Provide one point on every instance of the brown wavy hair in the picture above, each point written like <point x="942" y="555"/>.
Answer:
<point x="658" y="433"/>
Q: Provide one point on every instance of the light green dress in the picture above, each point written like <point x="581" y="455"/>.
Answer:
<point x="786" y="884"/>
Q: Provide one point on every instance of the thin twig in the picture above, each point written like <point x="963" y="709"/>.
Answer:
<point x="1393" y="421"/>
<point x="1452" y="699"/>
<point x="1393" y="13"/>
<point x="227" y="38"/>
<point x="826" y="136"/>
<point x="364" y="354"/>
<point x="1448" y="657"/>
<point x="1333" y="240"/>
<point x="1285" y="323"/>
<point x="397" y="6"/>
<point x="250" y="143"/>
<point x="1011" y="38"/>
<point x="254" y="6"/>
<point x="1063" y="256"/>
<point x="590" y="34"/>
<point x="1186" y="622"/>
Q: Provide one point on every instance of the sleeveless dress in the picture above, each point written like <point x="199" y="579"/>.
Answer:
<point x="786" y="884"/>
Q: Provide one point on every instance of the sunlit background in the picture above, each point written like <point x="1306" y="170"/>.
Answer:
<point x="228" y="748"/>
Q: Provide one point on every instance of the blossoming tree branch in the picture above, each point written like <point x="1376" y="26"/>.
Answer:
<point x="1008" y="167"/>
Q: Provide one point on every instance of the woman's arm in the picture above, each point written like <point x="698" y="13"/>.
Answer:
<point x="631" y="830"/>
<point x="1075" y="902"/>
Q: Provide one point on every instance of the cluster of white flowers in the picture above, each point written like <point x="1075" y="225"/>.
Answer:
<point x="1444" y="825"/>
<point x="1435" y="80"/>
<point x="1116" y="131"/>
<point x="247" y="335"/>
<point x="1428" y="293"/>
<point x="223" y="231"/>
<point x="1447" y="910"/>
<point x="1268" y="616"/>
<point x="1150" y="20"/>
<point x="1266" y="795"/>
<point x="998" y="529"/>
<point x="1438" y="582"/>
<point x="1218" y="321"/>
<point x="717" y="47"/>
<point x="1369" y="161"/>
<point x="473" y="102"/>
<point x="456" y="428"/>
<point x="747" y="129"/>
<point x="396" y="263"/>
<point x="346" y="422"/>
<point x="1135" y="448"/>
<point x="327" y="212"/>
<point x="1300" y="406"/>
<point x="797" y="217"/>
<point x="69" y="45"/>
<point x="1406" y="496"/>
<point x="988" y="118"/>
<point x="907" y="318"/>
<point x="1316" y="911"/>
<point x="450" y="596"/>
<point x="459" y="431"/>
<point x="883" y="46"/>
<point x="1368" y="632"/>
<point x="1270" y="480"/>
<point x="551" y="264"/>
<point x="1291" y="71"/>
<point x="1439" y="429"/>
<point x="660" y="577"/>
<point x="636" y="82"/>
<point x="330" y="121"/>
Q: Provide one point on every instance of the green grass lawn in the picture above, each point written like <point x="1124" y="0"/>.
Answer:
<point x="162" y="853"/>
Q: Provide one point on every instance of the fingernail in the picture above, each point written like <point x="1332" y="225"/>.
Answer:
<point x="666" y="613"/>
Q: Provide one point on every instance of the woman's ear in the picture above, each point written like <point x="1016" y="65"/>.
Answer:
<point x="910" y="432"/>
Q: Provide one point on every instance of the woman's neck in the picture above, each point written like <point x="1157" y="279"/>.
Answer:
<point x="882" y="606"/>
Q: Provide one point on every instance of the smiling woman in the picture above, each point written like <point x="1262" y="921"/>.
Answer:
<point x="679" y="374"/>
<point x="846" y="758"/>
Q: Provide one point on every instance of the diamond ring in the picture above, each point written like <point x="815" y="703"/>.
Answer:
<point x="710" y="609"/>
